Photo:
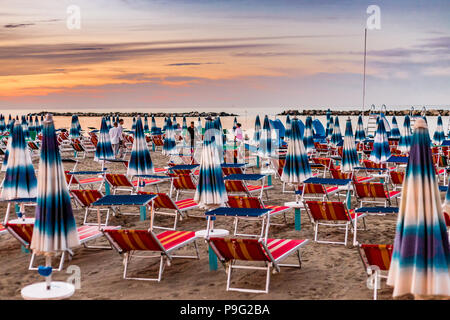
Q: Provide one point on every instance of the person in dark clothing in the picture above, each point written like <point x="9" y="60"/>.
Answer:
<point x="191" y="131"/>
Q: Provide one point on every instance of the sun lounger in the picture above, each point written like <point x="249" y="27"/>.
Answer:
<point x="317" y="188"/>
<point x="237" y="184"/>
<point x="375" y="193"/>
<point x="182" y="183"/>
<point x="74" y="182"/>
<point x="85" y="198"/>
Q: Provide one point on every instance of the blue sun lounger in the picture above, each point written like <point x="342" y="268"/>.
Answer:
<point x="397" y="159"/>
<point x="139" y="200"/>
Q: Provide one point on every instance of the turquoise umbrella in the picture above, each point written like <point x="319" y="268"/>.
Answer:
<point x="199" y="125"/>
<point x="257" y="132"/>
<point x="360" y="134"/>
<point x="25" y="128"/>
<point x="405" y="140"/>
<point x="265" y="143"/>
<point x="336" y="137"/>
<point x="395" y="132"/>
<point x="349" y="155"/>
<point x="140" y="161"/>
<point x="74" y="130"/>
<point x="439" y="135"/>
<point x="308" y="140"/>
<point x="154" y="128"/>
<point x="381" y="151"/>
<point x="330" y="125"/>
<point x="146" y="129"/>
<point x="104" y="149"/>
<point x="288" y="127"/>
<point x="169" y="147"/>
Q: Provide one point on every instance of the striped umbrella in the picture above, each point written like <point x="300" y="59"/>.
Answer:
<point x="439" y="135"/>
<point x="421" y="257"/>
<point x="169" y="147"/>
<point x="140" y="160"/>
<point x="2" y="124"/>
<point x="146" y="128"/>
<point x="308" y="140"/>
<point x="25" y="128"/>
<point x="37" y="126"/>
<point x="330" y="124"/>
<point x="74" y="131"/>
<point x="220" y="137"/>
<point x="108" y="123"/>
<point x="234" y="124"/>
<point x="133" y="126"/>
<point x="20" y="179"/>
<point x="395" y="132"/>
<point x="104" y="149"/>
<point x="31" y="124"/>
<point x="199" y="125"/>
<point x="6" y="156"/>
<point x="165" y="124"/>
<point x="336" y="137"/>
<point x="174" y="123"/>
<point x="154" y="128"/>
<point x="210" y="190"/>
<point x="360" y="134"/>
<point x="257" y="132"/>
<point x="405" y="140"/>
<point x="349" y="154"/>
<point x="288" y="127"/>
<point x="54" y="230"/>
<point x="265" y="143"/>
<point x="381" y="151"/>
<point x="296" y="168"/>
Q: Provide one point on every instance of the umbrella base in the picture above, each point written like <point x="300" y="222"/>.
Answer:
<point x="38" y="291"/>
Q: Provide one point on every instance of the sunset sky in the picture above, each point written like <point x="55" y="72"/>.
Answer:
<point x="252" y="54"/>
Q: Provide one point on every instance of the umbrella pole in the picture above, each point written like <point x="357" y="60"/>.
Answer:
<point x="48" y="279"/>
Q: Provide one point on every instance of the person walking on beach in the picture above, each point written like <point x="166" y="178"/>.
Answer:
<point x="120" y="148"/>
<point x="114" y="134"/>
<point x="238" y="133"/>
<point x="191" y="133"/>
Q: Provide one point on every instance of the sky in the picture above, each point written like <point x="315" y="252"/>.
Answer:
<point x="133" y="55"/>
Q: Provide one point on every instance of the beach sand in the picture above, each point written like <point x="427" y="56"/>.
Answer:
<point x="328" y="271"/>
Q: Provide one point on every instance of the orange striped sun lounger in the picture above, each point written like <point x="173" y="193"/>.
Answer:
<point x="181" y="183"/>
<point x="176" y="208"/>
<point x="22" y="230"/>
<point x="2" y="229"/>
<point x="231" y="250"/>
<point x="333" y="214"/>
<point x="119" y="182"/>
<point x="318" y="191"/>
<point x="85" y="198"/>
<point x="236" y="184"/>
<point x="253" y="203"/>
<point x="130" y="242"/>
<point x="73" y="181"/>
<point x="375" y="193"/>
<point x="376" y="259"/>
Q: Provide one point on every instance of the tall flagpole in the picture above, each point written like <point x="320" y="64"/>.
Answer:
<point x="364" y="76"/>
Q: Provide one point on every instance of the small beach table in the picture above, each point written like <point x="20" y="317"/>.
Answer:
<point x="99" y="177"/>
<point x="184" y="168"/>
<point x="139" y="200"/>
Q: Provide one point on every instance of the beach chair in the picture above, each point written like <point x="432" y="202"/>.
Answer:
<point x="227" y="170"/>
<point x="397" y="178"/>
<point x="338" y="174"/>
<point x="376" y="259"/>
<point x="85" y="198"/>
<point x="73" y="181"/>
<point x="321" y="149"/>
<point x="232" y="251"/>
<point x="370" y="192"/>
<point x="34" y="148"/>
<point x="236" y="184"/>
<point x="181" y="183"/>
<point x="253" y="203"/>
<point x="333" y="214"/>
<point x="328" y="164"/>
<point x="175" y="208"/>
<point x="130" y="243"/>
<point x="79" y="148"/>
<point x="22" y="230"/>
<point x="3" y="230"/>
<point x="158" y="141"/>
<point x="317" y="191"/>
<point x="120" y="182"/>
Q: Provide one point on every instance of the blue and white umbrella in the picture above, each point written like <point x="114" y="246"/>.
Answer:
<point x="257" y="132"/>
<point x="405" y="140"/>
<point x="349" y="155"/>
<point x="74" y="131"/>
<point x="199" y="125"/>
<point x="421" y="256"/>
<point x="439" y="135"/>
<point x="220" y="137"/>
<point x="146" y="128"/>
<point x="210" y="190"/>
<point x="154" y="128"/>
<point x="288" y="127"/>
<point x="234" y="124"/>
<point x="20" y="179"/>
<point x="140" y="160"/>
<point x="296" y="168"/>
<point x="381" y="151"/>
<point x="336" y="137"/>
<point x="395" y="132"/>
<point x="37" y="126"/>
<point x="174" y="123"/>
<point x="308" y="140"/>
<point x="54" y="227"/>
<point x="25" y="128"/>
<point x="265" y="143"/>
<point x="184" y="124"/>
<point x="330" y="125"/>
<point x="133" y="126"/>
<point x="360" y="134"/>
<point x="169" y="147"/>
<point x="104" y="149"/>
<point x="31" y="124"/>
<point x="2" y="124"/>
<point x="108" y="123"/>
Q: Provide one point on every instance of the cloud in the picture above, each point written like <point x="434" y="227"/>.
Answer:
<point x="18" y="25"/>
<point x="181" y="64"/>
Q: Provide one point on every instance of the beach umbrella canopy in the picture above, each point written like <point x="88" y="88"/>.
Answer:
<point x="349" y="154"/>
<point x="330" y="125"/>
<point x="133" y="126"/>
<point x="37" y="126"/>
<point x="20" y="179"/>
<point x="395" y="132"/>
<point x="405" y="140"/>
<point x="146" y="129"/>
<point x="2" y="123"/>
<point x="31" y="124"/>
<point x="169" y="147"/>
<point x="439" y="135"/>
<point x="265" y="143"/>
<point x="184" y="125"/>
<point x="421" y="256"/>
<point x="74" y="131"/>
<point x="54" y="227"/>
<point x="360" y="134"/>
<point x="220" y="137"/>
<point x="174" y="123"/>
<point x="140" y="160"/>
<point x="25" y="128"/>
<point x="104" y="149"/>
<point x="296" y="168"/>
<point x="288" y="127"/>
<point x="199" y="125"/>
<point x="336" y="137"/>
<point x="234" y="123"/>
<point x="210" y="190"/>
<point x="165" y="124"/>
<point x="108" y="123"/>
<point x="381" y="151"/>
<point x="154" y="128"/>
<point x="308" y="140"/>
<point x="257" y="132"/>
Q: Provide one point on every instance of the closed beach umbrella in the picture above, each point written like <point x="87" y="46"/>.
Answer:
<point x="20" y="180"/>
<point x="54" y="230"/>
<point x="219" y="137"/>
<point x="165" y="124"/>
<point x="6" y="156"/>
<point x="74" y="132"/>
<point x="439" y="135"/>
<point x="308" y="140"/>
<point x="146" y="129"/>
<point x="381" y="151"/>
<point x="169" y="147"/>
<point x="257" y="132"/>
<point x="174" y="123"/>
<point x="25" y="128"/>
<point x="288" y="127"/>
<point x="395" y="132"/>
<point x="360" y="134"/>
<point x="234" y="123"/>
<point x="2" y="124"/>
<point x="140" y="160"/>
<point x="104" y="149"/>
<point x="421" y="256"/>
<point x="108" y="122"/>
<point x="31" y="124"/>
<point x="199" y="125"/>
<point x="296" y="168"/>
<point x="154" y="128"/>
<point x="37" y="126"/>
<point x="336" y="137"/>
<point x="210" y="190"/>
<point x="330" y="125"/>
<point x="405" y="140"/>
<point x="349" y="154"/>
<point x="265" y="143"/>
<point x="133" y="126"/>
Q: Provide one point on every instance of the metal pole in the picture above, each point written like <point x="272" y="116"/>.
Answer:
<point x="364" y="74"/>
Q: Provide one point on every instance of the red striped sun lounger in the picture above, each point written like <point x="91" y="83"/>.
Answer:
<point x="85" y="198"/>
<point x="2" y="229"/>
<point x="129" y="242"/>
<point x="375" y="193"/>
<point x="231" y="250"/>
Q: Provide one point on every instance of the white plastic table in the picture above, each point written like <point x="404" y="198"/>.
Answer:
<point x="38" y="291"/>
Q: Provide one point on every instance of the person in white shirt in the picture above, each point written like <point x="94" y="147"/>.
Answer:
<point x="115" y="135"/>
